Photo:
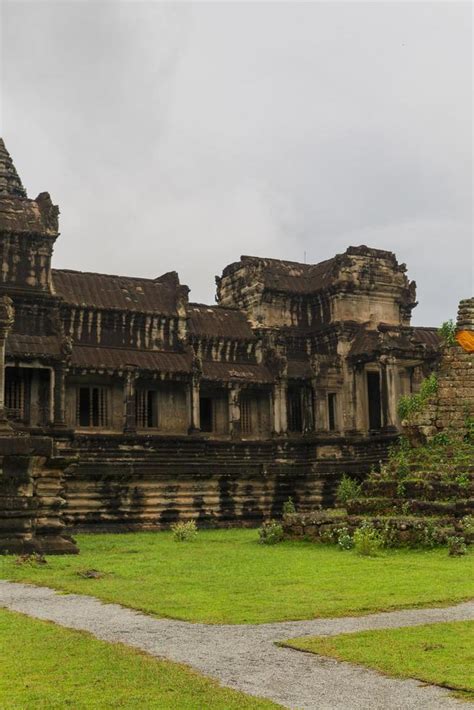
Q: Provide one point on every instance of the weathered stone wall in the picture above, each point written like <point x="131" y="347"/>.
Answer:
<point x="452" y="407"/>
<point x="122" y="483"/>
<point x="32" y="497"/>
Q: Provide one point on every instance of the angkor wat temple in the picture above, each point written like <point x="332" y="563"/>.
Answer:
<point x="164" y="408"/>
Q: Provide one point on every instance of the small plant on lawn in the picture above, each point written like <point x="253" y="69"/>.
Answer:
<point x="270" y="533"/>
<point x="463" y="480"/>
<point x="34" y="559"/>
<point x="447" y="331"/>
<point x="289" y="507"/>
<point x="367" y="540"/>
<point x="344" y="539"/>
<point x="184" y="532"/>
<point x="347" y="489"/>
<point x="456" y="546"/>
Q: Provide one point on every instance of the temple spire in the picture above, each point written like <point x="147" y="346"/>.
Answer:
<point x="10" y="183"/>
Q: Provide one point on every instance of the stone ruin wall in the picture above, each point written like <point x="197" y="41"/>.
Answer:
<point x="32" y="497"/>
<point x="150" y="482"/>
<point x="453" y="405"/>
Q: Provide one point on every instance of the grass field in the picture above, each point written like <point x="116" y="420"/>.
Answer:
<point x="441" y="654"/>
<point x="225" y="576"/>
<point x="50" y="668"/>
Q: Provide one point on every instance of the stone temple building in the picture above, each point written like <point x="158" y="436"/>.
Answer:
<point x="165" y="409"/>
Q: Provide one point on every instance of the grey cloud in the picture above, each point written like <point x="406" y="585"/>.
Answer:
<point x="179" y="136"/>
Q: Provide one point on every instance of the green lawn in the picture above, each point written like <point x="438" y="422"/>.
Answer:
<point x="225" y="576"/>
<point x="44" y="666"/>
<point x="441" y="654"/>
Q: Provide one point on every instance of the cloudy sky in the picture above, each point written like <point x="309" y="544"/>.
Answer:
<point x="180" y="136"/>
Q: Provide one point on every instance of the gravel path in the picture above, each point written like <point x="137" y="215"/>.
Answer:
<point x="245" y="657"/>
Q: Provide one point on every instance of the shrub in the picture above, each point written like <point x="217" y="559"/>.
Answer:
<point x="270" y="533"/>
<point x="468" y="526"/>
<point x="289" y="507"/>
<point x="33" y="559"/>
<point x="447" y="331"/>
<point x="184" y="532"/>
<point x="347" y="489"/>
<point x="463" y="480"/>
<point x="367" y="540"/>
<point x="456" y="546"/>
<point x="344" y="539"/>
<point x="413" y="403"/>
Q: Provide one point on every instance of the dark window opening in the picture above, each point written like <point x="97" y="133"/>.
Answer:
<point x="206" y="414"/>
<point x="17" y="394"/>
<point x="91" y="407"/>
<point x="295" y="413"/>
<point x="245" y="414"/>
<point x="373" y="392"/>
<point x="146" y="410"/>
<point x="332" y="411"/>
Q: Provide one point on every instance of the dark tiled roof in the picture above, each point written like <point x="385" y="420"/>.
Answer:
<point x="229" y="371"/>
<point x="298" y="369"/>
<point x="366" y="341"/>
<point x="427" y="336"/>
<point x="33" y="345"/>
<point x="91" y="357"/>
<point x="219" y="322"/>
<point x="126" y="293"/>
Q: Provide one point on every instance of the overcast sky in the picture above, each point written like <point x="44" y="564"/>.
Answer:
<point x="180" y="136"/>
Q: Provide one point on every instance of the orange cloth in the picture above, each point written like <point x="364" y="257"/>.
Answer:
<point x="465" y="339"/>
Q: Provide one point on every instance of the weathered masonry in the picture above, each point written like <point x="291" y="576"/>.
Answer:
<point x="177" y="409"/>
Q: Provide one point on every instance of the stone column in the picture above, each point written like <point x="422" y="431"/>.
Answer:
<point x="384" y="392"/>
<point x="7" y="315"/>
<point x="130" y="417"/>
<point x="59" y="418"/>
<point x="280" y="414"/>
<point x="393" y="393"/>
<point x="194" y="405"/>
<point x="234" y="411"/>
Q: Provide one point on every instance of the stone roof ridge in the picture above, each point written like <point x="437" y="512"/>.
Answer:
<point x="148" y="279"/>
<point x="10" y="183"/>
<point x="214" y="306"/>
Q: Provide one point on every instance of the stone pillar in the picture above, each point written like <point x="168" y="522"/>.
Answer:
<point x="234" y="412"/>
<point x="194" y="397"/>
<point x="384" y="392"/>
<point x="280" y="414"/>
<point x="393" y="393"/>
<point x="307" y="409"/>
<point x="59" y="418"/>
<point x="129" y="399"/>
<point x="7" y="315"/>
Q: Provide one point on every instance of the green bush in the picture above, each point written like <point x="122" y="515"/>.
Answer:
<point x="347" y="489"/>
<point x="413" y="403"/>
<point x="184" y="532"/>
<point x="344" y="539"/>
<point x="447" y="331"/>
<point x="456" y="546"/>
<point x="468" y="526"/>
<point x="270" y="533"/>
<point x="289" y="507"/>
<point x="367" y="540"/>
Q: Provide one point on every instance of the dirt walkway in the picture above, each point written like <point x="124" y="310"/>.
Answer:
<point x="245" y="657"/>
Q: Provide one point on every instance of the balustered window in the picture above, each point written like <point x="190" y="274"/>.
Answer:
<point x="245" y="414"/>
<point x="17" y="394"/>
<point x="92" y="406"/>
<point x="146" y="409"/>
